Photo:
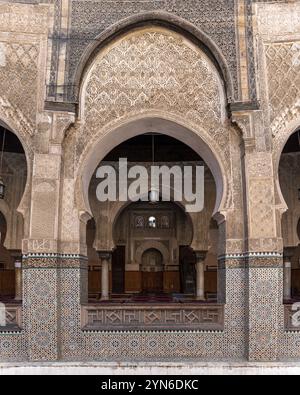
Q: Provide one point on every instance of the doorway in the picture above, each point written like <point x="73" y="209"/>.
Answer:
<point x="152" y="272"/>
<point x="118" y="270"/>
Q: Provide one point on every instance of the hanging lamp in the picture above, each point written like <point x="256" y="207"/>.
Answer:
<point x="154" y="193"/>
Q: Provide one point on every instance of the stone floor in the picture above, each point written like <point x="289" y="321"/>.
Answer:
<point x="151" y="368"/>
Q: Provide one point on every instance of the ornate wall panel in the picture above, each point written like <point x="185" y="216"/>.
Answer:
<point x="19" y="79"/>
<point x="90" y="18"/>
<point x="265" y="310"/>
<point x="40" y="308"/>
<point x="278" y="31"/>
<point x="283" y="66"/>
<point x="21" y="18"/>
<point x="153" y="71"/>
<point x="21" y="28"/>
<point x="146" y="345"/>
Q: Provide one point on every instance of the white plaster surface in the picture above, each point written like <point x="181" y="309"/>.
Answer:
<point x="151" y="368"/>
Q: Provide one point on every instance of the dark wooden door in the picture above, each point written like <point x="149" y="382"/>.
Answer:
<point x="187" y="270"/>
<point x="118" y="270"/>
<point x="153" y="282"/>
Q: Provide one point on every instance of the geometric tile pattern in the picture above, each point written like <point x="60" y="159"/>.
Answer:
<point x="41" y="312"/>
<point x="265" y="298"/>
<point x="53" y="300"/>
<point x="253" y="320"/>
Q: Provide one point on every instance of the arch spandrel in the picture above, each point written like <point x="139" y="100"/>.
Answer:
<point x="151" y="79"/>
<point x="151" y="69"/>
<point x="164" y="19"/>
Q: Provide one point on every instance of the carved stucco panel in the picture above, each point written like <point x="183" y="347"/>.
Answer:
<point x="261" y="208"/>
<point x="260" y="165"/>
<point x="70" y="220"/>
<point x="46" y="166"/>
<point x="26" y="18"/>
<point x="283" y="68"/>
<point x="151" y="71"/>
<point x="278" y="19"/>
<point x="19" y="82"/>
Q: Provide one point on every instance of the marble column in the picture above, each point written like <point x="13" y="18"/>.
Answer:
<point x="200" y="269"/>
<point x="105" y="257"/>
<point x="18" y="280"/>
<point x="287" y="274"/>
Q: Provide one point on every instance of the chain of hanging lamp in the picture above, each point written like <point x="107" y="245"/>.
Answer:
<point x="153" y="196"/>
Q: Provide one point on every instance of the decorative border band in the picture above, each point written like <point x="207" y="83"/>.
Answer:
<point x="54" y="261"/>
<point x="151" y="332"/>
<point x="251" y="260"/>
<point x="54" y="255"/>
<point x="247" y="255"/>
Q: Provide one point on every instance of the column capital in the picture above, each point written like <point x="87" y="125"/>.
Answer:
<point x="288" y="253"/>
<point x="105" y="255"/>
<point x="16" y="255"/>
<point x="200" y="256"/>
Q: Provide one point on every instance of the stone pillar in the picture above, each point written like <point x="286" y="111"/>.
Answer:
<point x="18" y="280"/>
<point x="41" y="259"/>
<point x="105" y="257"/>
<point x="287" y="274"/>
<point x="200" y="258"/>
<point x="263" y="256"/>
<point x="263" y="243"/>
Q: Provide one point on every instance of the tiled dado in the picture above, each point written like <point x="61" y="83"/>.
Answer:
<point x="55" y="289"/>
<point x="43" y="282"/>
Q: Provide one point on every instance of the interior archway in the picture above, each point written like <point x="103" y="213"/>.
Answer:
<point x="152" y="269"/>
<point x="136" y="86"/>
<point x="289" y="178"/>
<point x="143" y="126"/>
<point x="129" y="229"/>
<point x="14" y="175"/>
